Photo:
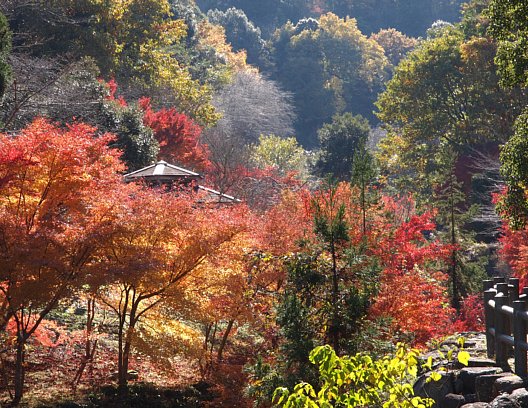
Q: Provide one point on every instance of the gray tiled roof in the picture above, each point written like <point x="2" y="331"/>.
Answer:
<point x="213" y="195"/>
<point x="162" y="170"/>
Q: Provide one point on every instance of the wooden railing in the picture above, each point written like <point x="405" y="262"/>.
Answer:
<point x="506" y="322"/>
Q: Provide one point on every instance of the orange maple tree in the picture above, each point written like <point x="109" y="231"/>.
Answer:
<point x="286" y="224"/>
<point x="161" y="240"/>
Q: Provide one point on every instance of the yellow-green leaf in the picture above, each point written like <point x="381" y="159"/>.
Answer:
<point x="463" y="357"/>
<point x="435" y="376"/>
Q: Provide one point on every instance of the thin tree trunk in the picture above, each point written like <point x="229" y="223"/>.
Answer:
<point x="125" y="356"/>
<point x="224" y="339"/>
<point x="213" y="337"/>
<point x="121" y="379"/>
<point x="208" y="329"/>
<point x="335" y="289"/>
<point x="19" y="369"/>
<point x="364" y="208"/>
<point x="90" y="346"/>
<point x="123" y="375"/>
<point x="454" y="277"/>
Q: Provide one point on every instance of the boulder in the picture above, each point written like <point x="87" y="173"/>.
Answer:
<point x="452" y="401"/>
<point x="470" y="398"/>
<point x="520" y="396"/>
<point x="469" y="374"/>
<point x="459" y="385"/>
<point x="484" y="386"/>
<point x="507" y="384"/>
<point x="481" y="362"/>
<point x="503" y="401"/>
<point x="453" y="342"/>
<point x="436" y="390"/>
<point x="438" y="361"/>
<point x="476" y="362"/>
<point x="476" y="405"/>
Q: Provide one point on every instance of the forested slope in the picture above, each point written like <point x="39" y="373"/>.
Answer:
<point x="366" y="159"/>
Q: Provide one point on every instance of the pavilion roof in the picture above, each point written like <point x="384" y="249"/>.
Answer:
<point x="162" y="171"/>
<point x="216" y="196"/>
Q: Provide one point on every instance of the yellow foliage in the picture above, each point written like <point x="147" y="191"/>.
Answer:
<point x="138" y="36"/>
<point x="220" y="285"/>
<point x="214" y="36"/>
<point x="169" y="337"/>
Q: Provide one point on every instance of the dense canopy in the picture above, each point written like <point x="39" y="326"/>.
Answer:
<point x="215" y="202"/>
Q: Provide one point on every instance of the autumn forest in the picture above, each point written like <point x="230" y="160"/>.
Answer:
<point x="218" y="203"/>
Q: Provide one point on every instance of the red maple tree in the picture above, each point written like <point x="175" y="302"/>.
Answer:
<point x="53" y="217"/>
<point x="178" y="136"/>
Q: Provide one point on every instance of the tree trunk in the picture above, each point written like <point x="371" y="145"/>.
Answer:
<point x="90" y="345"/>
<point x="121" y="380"/>
<point x="208" y="329"/>
<point x="364" y="207"/>
<point x="224" y="339"/>
<point x="123" y="374"/>
<point x="126" y="347"/>
<point x="20" y="370"/>
<point x="335" y="290"/>
<point x="213" y="337"/>
<point x="454" y="277"/>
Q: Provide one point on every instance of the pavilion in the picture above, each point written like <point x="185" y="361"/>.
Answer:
<point x="170" y="175"/>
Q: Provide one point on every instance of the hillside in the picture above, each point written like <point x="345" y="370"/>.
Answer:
<point x="196" y="197"/>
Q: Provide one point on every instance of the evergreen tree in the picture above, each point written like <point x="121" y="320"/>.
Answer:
<point x="364" y="172"/>
<point x="340" y="140"/>
<point x="454" y="214"/>
<point x="134" y="138"/>
<point x="331" y="227"/>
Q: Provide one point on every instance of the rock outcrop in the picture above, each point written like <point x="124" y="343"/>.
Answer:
<point x="479" y="385"/>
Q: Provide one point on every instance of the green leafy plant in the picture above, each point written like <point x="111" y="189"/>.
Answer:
<point x="449" y="353"/>
<point x="357" y="381"/>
